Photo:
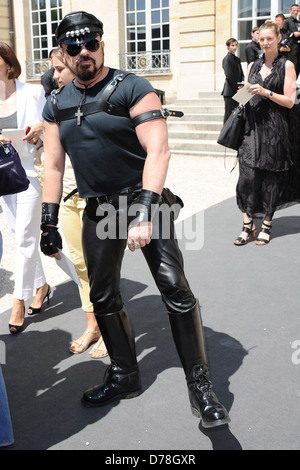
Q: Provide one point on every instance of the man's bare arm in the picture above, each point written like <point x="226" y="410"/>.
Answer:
<point x="54" y="163"/>
<point x="153" y="136"/>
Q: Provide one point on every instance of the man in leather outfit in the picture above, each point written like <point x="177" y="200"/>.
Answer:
<point x="120" y="151"/>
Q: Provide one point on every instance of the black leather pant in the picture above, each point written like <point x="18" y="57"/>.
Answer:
<point x="104" y="258"/>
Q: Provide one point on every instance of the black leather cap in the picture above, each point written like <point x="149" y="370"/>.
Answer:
<point x="78" y="27"/>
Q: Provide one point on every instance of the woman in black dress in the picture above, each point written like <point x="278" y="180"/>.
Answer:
<point x="265" y="157"/>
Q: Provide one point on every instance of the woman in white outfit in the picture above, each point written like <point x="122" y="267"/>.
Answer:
<point x="21" y="107"/>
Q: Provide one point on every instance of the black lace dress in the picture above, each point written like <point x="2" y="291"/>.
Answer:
<point x="267" y="152"/>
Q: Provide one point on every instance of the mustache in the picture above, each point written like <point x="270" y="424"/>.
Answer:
<point x="84" y="59"/>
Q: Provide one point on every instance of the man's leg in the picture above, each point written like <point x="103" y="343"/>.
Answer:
<point x="122" y="378"/>
<point x="103" y="259"/>
<point x="166" y="264"/>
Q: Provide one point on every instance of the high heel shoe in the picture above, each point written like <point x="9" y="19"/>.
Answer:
<point x="15" y="329"/>
<point x="265" y="228"/>
<point x="33" y="310"/>
<point x="250" y="233"/>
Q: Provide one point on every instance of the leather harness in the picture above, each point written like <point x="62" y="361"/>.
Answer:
<point x="103" y="105"/>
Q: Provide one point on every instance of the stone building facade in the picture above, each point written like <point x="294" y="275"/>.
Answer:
<point x="176" y="44"/>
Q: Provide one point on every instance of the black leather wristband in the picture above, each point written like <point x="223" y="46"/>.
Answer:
<point x="144" y="207"/>
<point x="50" y="213"/>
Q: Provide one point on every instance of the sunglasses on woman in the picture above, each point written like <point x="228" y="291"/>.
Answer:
<point x="74" y="49"/>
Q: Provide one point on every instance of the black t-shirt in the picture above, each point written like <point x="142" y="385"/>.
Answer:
<point x="105" y="152"/>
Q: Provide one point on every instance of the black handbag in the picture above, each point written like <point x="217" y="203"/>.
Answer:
<point x="13" y="178"/>
<point x="232" y="133"/>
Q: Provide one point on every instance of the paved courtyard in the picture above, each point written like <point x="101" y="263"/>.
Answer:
<point x="249" y="298"/>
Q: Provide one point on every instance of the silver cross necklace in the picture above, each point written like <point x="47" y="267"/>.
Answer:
<point x="79" y="114"/>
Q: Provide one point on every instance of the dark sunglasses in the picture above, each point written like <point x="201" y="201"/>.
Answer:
<point x="74" y="49"/>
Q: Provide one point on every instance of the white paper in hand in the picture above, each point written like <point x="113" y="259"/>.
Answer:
<point x="243" y="95"/>
<point x="68" y="267"/>
<point x="21" y="146"/>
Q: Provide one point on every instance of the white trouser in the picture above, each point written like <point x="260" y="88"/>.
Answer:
<point x="23" y="214"/>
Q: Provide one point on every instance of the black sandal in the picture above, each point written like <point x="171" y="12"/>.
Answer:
<point x="265" y="228"/>
<point x="249" y="230"/>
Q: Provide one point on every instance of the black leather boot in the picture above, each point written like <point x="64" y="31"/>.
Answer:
<point x="188" y="336"/>
<point x="122" y="378"/>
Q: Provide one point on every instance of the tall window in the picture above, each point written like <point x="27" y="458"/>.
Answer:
<point x="147" y="35"/>
<point x="285" y="6"/>
<point x="250" y="13"/>
<point x="45" y="16"/>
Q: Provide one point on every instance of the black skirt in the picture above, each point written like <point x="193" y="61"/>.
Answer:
<point x="261" y="192"/>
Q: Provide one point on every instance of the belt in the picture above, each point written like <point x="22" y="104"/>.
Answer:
<point x="110" y="198"/>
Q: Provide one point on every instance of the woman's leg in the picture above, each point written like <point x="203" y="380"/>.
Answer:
<point x="23" y="214"/>
<point x="247" y="230"/>
<point x="273" y="187"/>
<point x="71" y="213"/>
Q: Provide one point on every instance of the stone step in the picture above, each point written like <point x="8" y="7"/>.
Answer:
<point x="198" y="117"/>
<point x="190" y="134"/>
<point x="205" y="108"/>
<point x="209" y="94"/>
<point x="197" y="131"/>
<point x="197" y="146"/>
<point x="200" y="125"/>
<point x="198" y="103"/>
<point x="204" y="153"/>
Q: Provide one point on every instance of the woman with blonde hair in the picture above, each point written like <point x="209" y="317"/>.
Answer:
<point x="265" y="156"/>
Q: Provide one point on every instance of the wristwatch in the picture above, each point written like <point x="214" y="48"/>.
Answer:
<point x="271" y="94"/>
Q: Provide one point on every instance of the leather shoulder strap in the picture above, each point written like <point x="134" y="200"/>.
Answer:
<point x="101" y="105"/>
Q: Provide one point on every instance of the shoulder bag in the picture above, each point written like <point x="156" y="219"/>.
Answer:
<point x="232" y="133"/>
<point x="13" y="178"/>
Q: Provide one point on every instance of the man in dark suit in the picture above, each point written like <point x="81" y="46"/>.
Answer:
<point x="234" y="74"/>
<point x="292" y="26"/>
<point x="253" y="49"/>
<point x="47" y="80"/>
<point x="284" y="45"/>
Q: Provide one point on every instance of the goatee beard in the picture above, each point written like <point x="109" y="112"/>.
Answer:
<point x="86" y="72"/>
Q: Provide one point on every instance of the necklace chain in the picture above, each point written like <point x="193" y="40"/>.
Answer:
<point x="83" y="84"/>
